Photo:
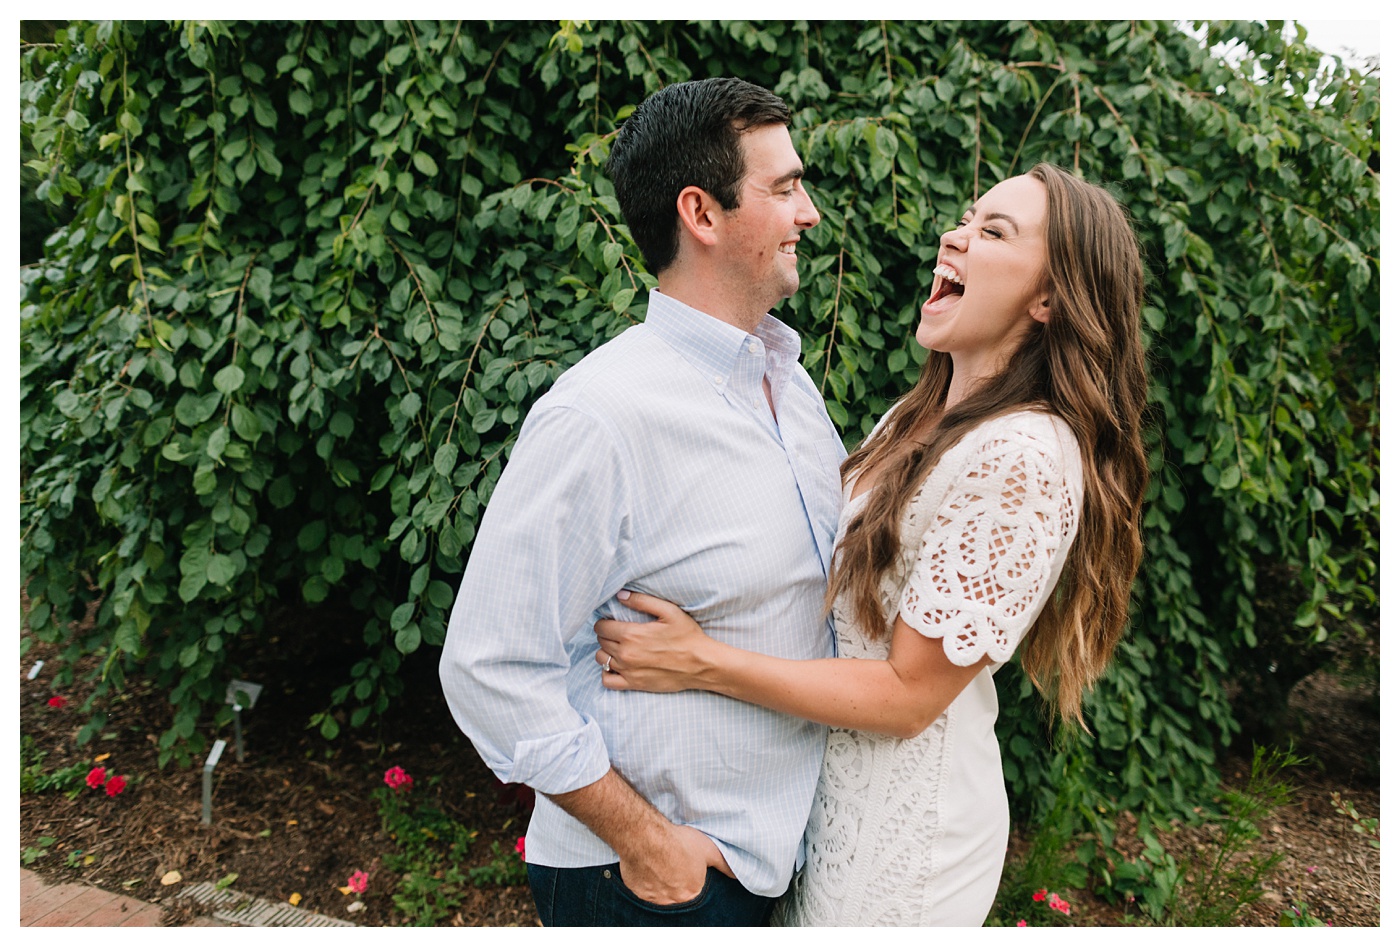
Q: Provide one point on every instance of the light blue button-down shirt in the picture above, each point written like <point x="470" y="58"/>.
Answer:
<point x="655" y="464"/>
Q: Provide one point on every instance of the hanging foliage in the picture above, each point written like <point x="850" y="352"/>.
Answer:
<point x="316" y="273"/>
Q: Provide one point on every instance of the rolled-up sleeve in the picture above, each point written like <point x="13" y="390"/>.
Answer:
<point x="550" y="543"/>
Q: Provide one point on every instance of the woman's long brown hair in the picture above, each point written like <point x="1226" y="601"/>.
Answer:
<point x="1086" y="365"/>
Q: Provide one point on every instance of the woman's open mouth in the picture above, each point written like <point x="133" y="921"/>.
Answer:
<point x="946" y="282"/>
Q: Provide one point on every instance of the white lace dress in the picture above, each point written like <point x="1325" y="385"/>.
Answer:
<point x="913" y="832"/>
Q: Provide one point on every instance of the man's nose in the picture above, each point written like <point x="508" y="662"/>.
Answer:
<point x="807" y="213"/>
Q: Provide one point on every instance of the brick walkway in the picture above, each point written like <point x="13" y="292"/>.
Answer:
<point x="76" y="905"/>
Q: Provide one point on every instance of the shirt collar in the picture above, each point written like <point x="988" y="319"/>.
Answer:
<point x="714" y="347"/>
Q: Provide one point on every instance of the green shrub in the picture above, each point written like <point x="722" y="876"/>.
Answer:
<point x="1212" y="886"/>
<point x="504" y="868"/>
<point x="1299" y="915"/>
<point x="316" y="273"/>
<point x="69" y="780"/>
<point x="430" y="849"/>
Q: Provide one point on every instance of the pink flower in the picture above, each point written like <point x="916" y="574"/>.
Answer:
<point x="1021" y="923"/>
<point x="520" y="847"/>
<point x="58" y="701"/>
<point x="395" y="778"/>
<point x="358" y="882"/>
<point x="1058" y="903"/>
<point x="1039" y="895"/>
<point x="96" y="776"/>
<point x="115" y="785"/>
<point x="1311" y="868"/>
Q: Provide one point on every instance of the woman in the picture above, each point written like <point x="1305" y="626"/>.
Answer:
<point x="996" y="504"/>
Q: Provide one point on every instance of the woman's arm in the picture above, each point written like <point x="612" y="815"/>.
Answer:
<point x="899" y="696"/>
<point x="983" y="571"/>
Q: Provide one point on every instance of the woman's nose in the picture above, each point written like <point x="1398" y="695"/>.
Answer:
<point x="954" y="239"/>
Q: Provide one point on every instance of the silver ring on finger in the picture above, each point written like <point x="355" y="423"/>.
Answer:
<point x="607" y="665"/>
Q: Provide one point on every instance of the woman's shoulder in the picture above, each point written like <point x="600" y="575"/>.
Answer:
<point x="1036" y="422"/>
<point x="1018" y="433"/>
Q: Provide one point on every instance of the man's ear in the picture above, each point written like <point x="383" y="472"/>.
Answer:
<point x="699" y="214"/>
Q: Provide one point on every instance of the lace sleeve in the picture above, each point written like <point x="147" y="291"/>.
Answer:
<point x="995" y="548"/>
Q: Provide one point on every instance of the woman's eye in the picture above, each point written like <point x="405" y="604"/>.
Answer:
<point x="992" y="232"/>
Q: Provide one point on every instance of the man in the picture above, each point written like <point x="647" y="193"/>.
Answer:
<point x="691" y="458"/>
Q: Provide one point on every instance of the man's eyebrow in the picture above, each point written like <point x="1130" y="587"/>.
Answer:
<point x="794" y="175"/>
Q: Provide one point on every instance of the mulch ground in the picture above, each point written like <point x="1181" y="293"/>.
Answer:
<point x="296" y="817"/>
<point x="1326" y="862"/>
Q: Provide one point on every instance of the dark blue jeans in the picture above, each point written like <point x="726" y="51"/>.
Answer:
<point x="596" y="897"/>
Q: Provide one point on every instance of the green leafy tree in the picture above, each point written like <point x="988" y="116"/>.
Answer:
<point x="316" y="273"/>
<point x="38" y="218"/>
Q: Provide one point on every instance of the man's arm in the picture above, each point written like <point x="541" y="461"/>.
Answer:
<point x="556" y="530"/>
<point x="660" y="861"/>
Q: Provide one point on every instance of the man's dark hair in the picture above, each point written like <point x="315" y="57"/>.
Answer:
<point x="685" y="134"/>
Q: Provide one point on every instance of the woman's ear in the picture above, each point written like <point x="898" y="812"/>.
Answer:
<point x="698" y="213"/>
<point x="1040" y="308"/>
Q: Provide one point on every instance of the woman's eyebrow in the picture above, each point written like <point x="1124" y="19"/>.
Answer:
<point x="994" y="215"/>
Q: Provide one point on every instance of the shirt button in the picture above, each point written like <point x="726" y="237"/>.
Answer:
<point x="753" y="346"/>
<point x="719" y="379"/>
<point x="756" y="402"/>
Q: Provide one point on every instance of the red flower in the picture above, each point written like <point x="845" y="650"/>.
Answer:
<point x="58" y="700"/>
<point x="96" y="776"/>
<point x="1021" y="923"/>
<point x="520" y="847"/>
<point x="115" y="785"/>
<point x="1058" y="903"/>
<point x="1039" y="895"/>
<point x="358" y="882"/>
<point x="395" y="778"/>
